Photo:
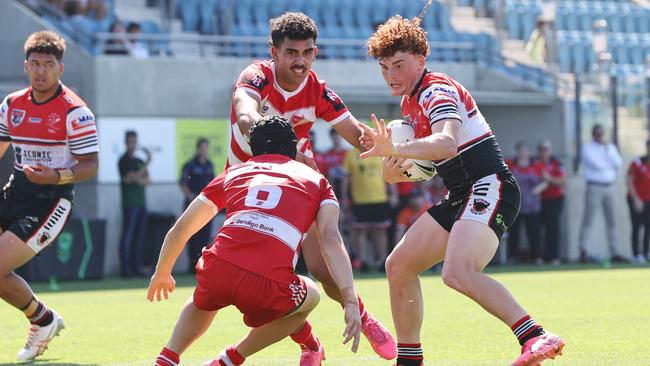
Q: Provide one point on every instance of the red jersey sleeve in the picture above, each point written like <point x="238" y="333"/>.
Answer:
<point x="254" y="80"/>
<point x="213" y="194"/>
<point x="327" y="195"/>
<point x="330" y="107"/>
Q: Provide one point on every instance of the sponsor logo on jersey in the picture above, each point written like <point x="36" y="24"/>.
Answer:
<point x="255" y="80"/>
<point x="34" y="120"/>
<point x="445" y="90"/>
<point x="17" y="116"/>
<point x="82" y="121"/>
<point x="480" y="206"/>
<point x="68" y="99"/>
<point x="331" y="97"/>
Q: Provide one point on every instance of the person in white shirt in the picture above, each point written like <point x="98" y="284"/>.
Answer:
<point x="600" y="163"/>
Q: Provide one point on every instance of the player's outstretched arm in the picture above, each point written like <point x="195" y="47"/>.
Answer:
<point x="197" y="214"/>
<point x="339" y="265"/>
<point x="440" y="145"/>
<point x="247" y="110"/>
<point x="350" y="129"/>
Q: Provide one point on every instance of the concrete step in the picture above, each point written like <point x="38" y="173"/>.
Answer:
<point x="516" y="49"/>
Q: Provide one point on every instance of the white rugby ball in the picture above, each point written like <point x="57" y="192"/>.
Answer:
<point x="422" y="169"/>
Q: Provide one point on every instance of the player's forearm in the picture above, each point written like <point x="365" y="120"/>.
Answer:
<point x="438" y="146"/>
<point x="4" y="146"/>
<point x="247" y="111"/>
<point x="84" y="170"/>
<point x="338" y="262"/>
<point x="171" y="249"/>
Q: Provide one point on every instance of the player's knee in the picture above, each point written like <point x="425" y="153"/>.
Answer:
<point x="313" y="296"/>
<point x="455" y="277"/>
<point x="396" y="270"/>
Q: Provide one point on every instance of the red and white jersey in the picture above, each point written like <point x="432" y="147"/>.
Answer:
<point x="48" y="133"/>
<point x="437" y="97"/>
<point x="271" y="201"/>
<point x="302" y="107"/>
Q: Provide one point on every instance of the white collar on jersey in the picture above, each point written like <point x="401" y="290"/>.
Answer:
<point x="287" y="94"/>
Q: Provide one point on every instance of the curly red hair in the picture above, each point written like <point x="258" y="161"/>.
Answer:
<point x="398" y="34"/>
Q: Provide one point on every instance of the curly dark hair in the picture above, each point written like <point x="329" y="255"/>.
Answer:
<point x="273" y="135"/>
<point x="398" y="34"/>
<point x="294" y="26"/>
<point x="46" y="42"/>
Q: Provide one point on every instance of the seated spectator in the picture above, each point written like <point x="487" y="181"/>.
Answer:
<point x="136" y="48"/>
<point x="98" y="11"/>
<point x="117" y="45"/>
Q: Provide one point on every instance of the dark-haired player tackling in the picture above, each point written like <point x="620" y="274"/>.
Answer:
<point x="286" y="86"/>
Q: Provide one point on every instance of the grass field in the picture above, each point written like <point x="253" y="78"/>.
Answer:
<point x="603" y="314"/>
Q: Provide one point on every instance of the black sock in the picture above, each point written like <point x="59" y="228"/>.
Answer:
<point x="42" y="316"/>
<point x="409" y="354"/>
<point x="527" y="328"/>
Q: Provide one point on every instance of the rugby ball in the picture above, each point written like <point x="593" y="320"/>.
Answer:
<point x="421" y="170"/>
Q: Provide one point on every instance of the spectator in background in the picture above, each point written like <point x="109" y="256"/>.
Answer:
<point x="416" y="206"/>
<point x="136" y="48"/>
<point x="370" y="208"/>
<point x="434" y="190"/>
<point x="134" y="178"/>
<point x="638" y="200"/>
<point x="552" y="200"/>
<point x="531" y="184"/>
<point x="600" y="162"/>
<point x="196" y="174"/>
<point x="75" y="9"/>
<point x="318" y="157"/>
<point x="334" y="158"/>
<point x="117" y="45"/>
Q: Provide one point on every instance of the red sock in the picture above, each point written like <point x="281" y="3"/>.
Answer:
<point x="305" y="338"/>
<point x="167" y="357"/>
<point x="362" y="310"/>
<point x="230" y="357"/>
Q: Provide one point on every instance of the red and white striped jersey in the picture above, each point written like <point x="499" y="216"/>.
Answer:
<point x="302" y="107"/>
<point x="48" y="133"/>
<point x="437" y="97"/>
<point x="271" y="201"/>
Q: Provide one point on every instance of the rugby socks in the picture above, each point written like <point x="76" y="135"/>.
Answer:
<point x="42" y="316"/>
<point x="305" y="338"/>
<point x="230" y="357"/>
<point x="167" y="357"/>
<point x="362" y="310"/>
<point x="409" y="354"/>
<point x="527" y="328"/>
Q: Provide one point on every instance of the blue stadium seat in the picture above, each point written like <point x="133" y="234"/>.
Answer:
<point x="512" y="21"/>
<point x="261" y="16"/>
<point x="396" y="7"/>
<point x="584" y="16"/>
<point x="563" y="51"/>
<point x="206" y="13"/>
<point x="361" y="18"/>
<point x="189" y="14"/>
<point x="633" y="45"/>
<point x="613" y="17"/>
<point x="379" y="12"/>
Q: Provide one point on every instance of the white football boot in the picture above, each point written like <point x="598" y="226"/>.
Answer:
<point x="40" y="337"/>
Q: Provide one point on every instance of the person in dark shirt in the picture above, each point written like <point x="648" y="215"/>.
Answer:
<point x="134" y="178"/>
<point x="195" y="175"/>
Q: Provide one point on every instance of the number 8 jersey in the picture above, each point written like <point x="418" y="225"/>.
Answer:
<point x="271" y="201"/>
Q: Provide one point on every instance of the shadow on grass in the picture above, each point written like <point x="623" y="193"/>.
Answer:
<point x="112" y="283"/>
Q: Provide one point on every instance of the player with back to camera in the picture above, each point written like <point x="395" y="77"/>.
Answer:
<point x="54" y="139"/>
<point x="465" y="228"/>
<point x="251" y="263"/>
<point x="287" y="86"/>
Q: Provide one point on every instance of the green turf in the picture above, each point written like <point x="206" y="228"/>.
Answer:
<point x="604" y="316"/>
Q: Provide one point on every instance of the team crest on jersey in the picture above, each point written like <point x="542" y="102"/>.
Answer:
<point x="53" y="121"/>
<point x="255" y="80"/>
<point x="17" y="116"/>
<point x="480" y="206"/>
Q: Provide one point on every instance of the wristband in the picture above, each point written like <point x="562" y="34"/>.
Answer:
<point x="66" y="176"/>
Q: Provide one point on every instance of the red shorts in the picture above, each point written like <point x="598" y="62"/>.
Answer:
<point x="261" y="300"/>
